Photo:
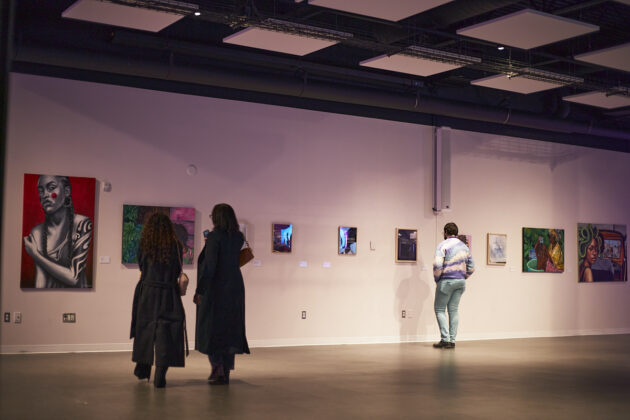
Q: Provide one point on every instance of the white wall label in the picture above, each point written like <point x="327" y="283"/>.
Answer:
<point x="105" y="259"/>
<point x="303" y="264"/>
<point x="326" y="264"/>
<point x="257" y="263"/>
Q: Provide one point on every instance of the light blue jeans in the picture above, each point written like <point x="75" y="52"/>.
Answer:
<point x="448" y="292"/>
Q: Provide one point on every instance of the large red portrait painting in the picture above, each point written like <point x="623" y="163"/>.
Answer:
<point x="57" y="231"/>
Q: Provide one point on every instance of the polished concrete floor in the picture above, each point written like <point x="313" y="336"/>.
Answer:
<point x="542" y="378"/>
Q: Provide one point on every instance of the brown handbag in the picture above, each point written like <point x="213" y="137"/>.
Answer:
<point x="246" y="255"/>
<point x="182" y="282"/>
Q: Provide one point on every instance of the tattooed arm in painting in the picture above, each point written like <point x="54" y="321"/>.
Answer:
<point x="49" y="271"/>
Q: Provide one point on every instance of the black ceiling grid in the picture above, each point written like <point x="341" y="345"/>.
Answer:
<point x="190" y="56"/>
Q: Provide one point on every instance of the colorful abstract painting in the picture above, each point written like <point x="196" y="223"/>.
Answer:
<point x="406" y="245"/>
<point x="134" y="217"/>
<point x="282" y="237"/>
<point x="347" y="240"/>
<point x="602" y="253"/>
<point x="543" y="250"/>
<point x="57" y="231"/>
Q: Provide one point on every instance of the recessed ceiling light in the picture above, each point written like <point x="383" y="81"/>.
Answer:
<point x="197" y="13"/>
<point x="501" y="48"/>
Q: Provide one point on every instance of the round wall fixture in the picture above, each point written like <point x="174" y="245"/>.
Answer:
<point x="191" y="170"/>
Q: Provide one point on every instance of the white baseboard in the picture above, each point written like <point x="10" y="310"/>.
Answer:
<point x="314" y="341"/>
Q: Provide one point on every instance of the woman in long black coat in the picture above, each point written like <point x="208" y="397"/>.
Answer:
<point x="158" y="317"/>
<point x="220" y="295"/>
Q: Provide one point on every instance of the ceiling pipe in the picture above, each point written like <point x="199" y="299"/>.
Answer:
<point x="311" y="89"/>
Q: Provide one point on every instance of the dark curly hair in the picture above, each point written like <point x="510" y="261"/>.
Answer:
<point x="158" y="238"/>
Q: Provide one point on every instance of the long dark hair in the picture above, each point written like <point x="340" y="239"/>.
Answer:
<point x="158" y="238"/>
<point x="224" y="218"/>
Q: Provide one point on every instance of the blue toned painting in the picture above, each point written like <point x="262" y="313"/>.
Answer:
<point x="282" y="237"/>
<point x="347" y="240"/>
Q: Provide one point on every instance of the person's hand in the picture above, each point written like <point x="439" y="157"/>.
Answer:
<point x="30" y="246"/>
<point x="197" y="299"/>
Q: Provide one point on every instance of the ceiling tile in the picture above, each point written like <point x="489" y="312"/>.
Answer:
<point x="277" y="41"/>
<point x="527" y="29"/>
<point x="600" y="100"/>
<point x="617" y="57"/>
<point x="119" y="15"/>
<point x="393" y="10"/>
<point x="517" y="84"/>
<point x="410" y="65"/>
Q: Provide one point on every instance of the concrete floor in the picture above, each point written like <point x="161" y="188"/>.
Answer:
<point x="543" y="378"/>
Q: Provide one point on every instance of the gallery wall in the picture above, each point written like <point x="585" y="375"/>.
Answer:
<point x="318" y="171"/>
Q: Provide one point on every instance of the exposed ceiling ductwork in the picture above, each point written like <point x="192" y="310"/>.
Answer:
<point x="191" y="52"/>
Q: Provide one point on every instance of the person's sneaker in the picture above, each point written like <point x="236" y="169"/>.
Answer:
<point x="443" y="345"/>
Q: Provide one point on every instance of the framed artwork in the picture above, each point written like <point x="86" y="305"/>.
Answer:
<point x="281" y="237"/>
<point x="347" y="240"/>
<point x="135" y="216"/>
<point x="543" y="250"/>
<point x="497" y="249"/>
<point x="57" y="231"/>
<point x="406" y="245"/>
<point x="602" y="253"/>
<point x="467" y="239"/>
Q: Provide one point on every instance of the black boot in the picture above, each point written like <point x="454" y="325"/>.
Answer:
<point x="160" y="376"/>
<point x="142" y="371"/>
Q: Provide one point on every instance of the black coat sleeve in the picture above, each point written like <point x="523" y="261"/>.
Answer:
<point x="210" y="259"/>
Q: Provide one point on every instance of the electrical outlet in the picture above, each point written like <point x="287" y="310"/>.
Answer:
<point x="303" y="314"/>
<point x="7" y="317"/>
<point x="404" y="314"/>
<point x="69" y="317"/>
<point x="17" y="317"/>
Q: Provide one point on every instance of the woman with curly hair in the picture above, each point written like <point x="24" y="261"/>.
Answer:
<point x="158" y="317"/>
<point x="589" y="244"/>
<point x="220" y="296"/>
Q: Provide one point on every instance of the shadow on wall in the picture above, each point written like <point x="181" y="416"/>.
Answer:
<point x="515" y="149"/>
<point x="412" y="292"/>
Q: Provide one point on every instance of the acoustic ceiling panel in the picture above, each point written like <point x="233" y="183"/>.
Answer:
<point x="277" y="41"/>
<point x="517" y="84"/>
<point x="617" y="57"/>
<point x="393" y="10"/>
<point x="600" y="100"/>
<point x="119" y="15"/>
<point x="527" y="29"/>
<point x="410" y="65"/>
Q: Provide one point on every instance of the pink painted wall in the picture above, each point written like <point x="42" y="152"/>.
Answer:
<point x="318" y="171"/>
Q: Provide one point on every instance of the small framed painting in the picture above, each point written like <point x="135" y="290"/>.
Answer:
<point x="406" y="245"/>
<point x="281" y="237"/>
<point x="347" y="240"/>
<point x="497" y="249"/>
